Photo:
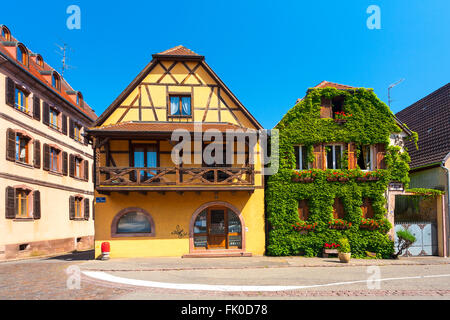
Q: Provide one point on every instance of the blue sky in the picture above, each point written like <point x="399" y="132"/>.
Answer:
<point x="267" y="52"/>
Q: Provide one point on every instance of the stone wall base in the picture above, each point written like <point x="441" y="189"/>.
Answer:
<point x="45" y="248"/>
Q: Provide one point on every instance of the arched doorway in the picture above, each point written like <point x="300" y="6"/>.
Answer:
<point x="217" y="226"/>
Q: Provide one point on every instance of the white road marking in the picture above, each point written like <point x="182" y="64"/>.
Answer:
<point x="227" y="288"/>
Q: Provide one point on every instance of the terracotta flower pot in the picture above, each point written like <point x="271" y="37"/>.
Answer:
<point x="344" y="257"/>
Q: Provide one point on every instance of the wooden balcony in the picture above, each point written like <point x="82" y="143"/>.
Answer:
<point x="175" y="178"/>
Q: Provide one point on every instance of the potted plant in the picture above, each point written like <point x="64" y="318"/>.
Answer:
<point x="344" y="250"/>
<point x="405" y="240"/>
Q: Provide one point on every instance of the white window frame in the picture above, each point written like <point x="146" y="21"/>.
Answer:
<point x="300" y="157"/>
<point x="372" y="153"/>
<point x="333" y="147"/>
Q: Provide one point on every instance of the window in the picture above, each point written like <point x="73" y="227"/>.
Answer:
<point x="79" y="99"/>
<point x="133" y="222"/>
<point x="334" y="156"/>
<point x="337" y="105"/>
<point x="6" y="35"/>
<point x="145" y="156"/>
<point x="22" y="203"/>
<point x="365" y="158"/>
<point x="21" y="100"/>
<point x="56" y="81"/>
<point x="23" y="149"/>
<point x="40" y="61"/>
<point x="78" y="168"/>
<point x="303" y="210"/>
<point x="367" y="209"/>
<point x="301" y="158"/>
<point x="338" y="209"/>
<point x="22" y="55"/>
<point x="180" y="106"/>
<point x="54" y="118"/>
<point x="77" y="132"/>
<point x="78" y="208"/>
<point x="54" y="160"/>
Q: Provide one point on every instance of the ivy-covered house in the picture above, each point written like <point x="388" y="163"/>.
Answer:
<point x="342" y="161"/>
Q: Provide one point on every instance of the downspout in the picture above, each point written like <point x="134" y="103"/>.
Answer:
<point x="444" y="216"/>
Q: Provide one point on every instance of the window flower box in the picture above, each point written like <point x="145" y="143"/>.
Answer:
<point x="306" y="176"/>
<point x="340" y="121"/>
<point x="339" y="224"/>
<point x="303" y="180"/>
<point x="304" y="227"/>
<point x="330" y="248"/>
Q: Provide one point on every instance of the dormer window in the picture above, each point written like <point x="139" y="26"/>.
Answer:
<point x="40" y="61"/>
<point x="56" y="81"/>
<point x="22" y="55"/>
<point x="79" y="99"/>
<point x="180" y="106"/>
<point x="6" y="34"/>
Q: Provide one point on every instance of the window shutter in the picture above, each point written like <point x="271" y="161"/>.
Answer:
<point x="10" y="88"/>
<point x="64" y="163"/>
<point x="10" y="145"/>
<point x="352" y="160"/>
<point x="338" y="209"/>
<point x="36" y="205"/>
<point x="46" y="113"/>
<point x="303" y="210"/>
<point x="381" y="153"/>
<point x="37" y="154"/>
<point x="319" y="157"/>
<point x="36" y="108"/>
<point x="71" y="165"/>
<point x="86" y="170"/>
<point x="93" y="209"/>
<point x="86" y="209"/>
<point x="46" y="164"/>
<point x="10" y="210"/>
<point x="71" y="128"/>
<point x="297" y="159"/>
<point x="326" y="109"/>
<point x="64" y="124"/>
<point x="86" y="140"/>
<point x="72" y="208"/>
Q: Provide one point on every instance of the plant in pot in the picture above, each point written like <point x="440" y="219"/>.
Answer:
<point x="344" y="250"/>
<point x="405" y="240"/>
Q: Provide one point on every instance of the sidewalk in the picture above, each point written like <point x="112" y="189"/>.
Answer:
<point x="166" y="264"/>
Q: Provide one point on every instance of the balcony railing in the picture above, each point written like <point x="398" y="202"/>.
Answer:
<point x="174" y="176"/>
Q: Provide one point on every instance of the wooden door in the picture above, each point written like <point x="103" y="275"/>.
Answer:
<point x="217" y="228"/>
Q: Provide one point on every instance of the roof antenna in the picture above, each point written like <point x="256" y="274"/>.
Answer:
<point x="63" y="52"/>
<point x="389" y="90"/>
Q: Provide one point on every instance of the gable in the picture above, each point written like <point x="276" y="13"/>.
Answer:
<point x="147" y="98"/>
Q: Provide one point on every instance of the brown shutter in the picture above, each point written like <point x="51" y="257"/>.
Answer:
<point x="46" y="113"/>
<point x="10" y="145"/>
<point x="10" y="202"/>
<point x="71" y="165"/>
<point x="381" y="153"/>
<point x="93" y="209"/>
<point x="36" y="108"/>
<point x="326" y="109"/>
<point x="64" y="124"/>
<point x="352" y="160"/>
<point x="71" y="128"/>
<point x="10" y="92"/>
<point x="86" y="209"/>
<point x="367" y="209"/>
<point x="297" y="159"/>
<point x="64" y="163"/>
<point x="86" y="140"/>
<point x="338" y="209"/>
<point x="318" y="157"/>
<point x="72" y="208"/>
<point x="36" y="205"/>
<point x="46" y="160"/>
<point x="303" y="210"/>
<point x="37" y="154"/>
<point x="86" y="170"/>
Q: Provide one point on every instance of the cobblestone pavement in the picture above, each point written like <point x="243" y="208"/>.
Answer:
<point x="46" y="279"/>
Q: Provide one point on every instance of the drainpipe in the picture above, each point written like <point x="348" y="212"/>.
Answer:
<point x="444" y="216"/>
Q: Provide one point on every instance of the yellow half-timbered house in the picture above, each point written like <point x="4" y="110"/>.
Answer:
<point x="148" y="202"/>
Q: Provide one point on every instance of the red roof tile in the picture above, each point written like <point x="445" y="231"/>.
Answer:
<point x="178" y="51"/>
<point x="327" y="84"/>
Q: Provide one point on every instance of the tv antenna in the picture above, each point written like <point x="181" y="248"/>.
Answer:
<point x="63" y="52"/>
<point x="389" y="90"/>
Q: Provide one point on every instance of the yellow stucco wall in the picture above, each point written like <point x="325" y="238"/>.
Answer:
<point x="170" y="210"/>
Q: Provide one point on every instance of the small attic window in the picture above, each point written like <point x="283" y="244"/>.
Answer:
<point x="22" y="54"/>
<point x="40" y="61"/>
<point x="6" y="34"/>
<point x="79" y="99"/>
<point x="56" y="81"/>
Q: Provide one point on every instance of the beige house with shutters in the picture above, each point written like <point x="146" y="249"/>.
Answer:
<point x="45" y="161"/>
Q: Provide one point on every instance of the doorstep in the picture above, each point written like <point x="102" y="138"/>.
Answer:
<point x="217" y="254"/>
